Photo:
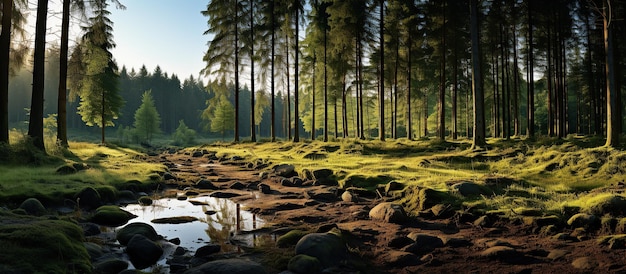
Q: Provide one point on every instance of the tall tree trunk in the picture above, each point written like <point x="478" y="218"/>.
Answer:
<point x="394" y="106"/>
<point x="252" y="114"/>
<point x="381" y="76"/>
<point x="35" y="125"/>
<point x="441" y="106"/>
<point x="272" y="74"/>
<point x="409" y="130"/>
<point x="325" y="85"/>
<point x="313" y="128"/>
<point x="288" y="89"/>
<point x="236" y="139"/>
<point x="612" y="119"/>
<point x="455" y="77"/>
<point x="515" y="97"/>
<point x="531" y="78"/>
<point x="296" y="88"/>
<point x="5" y="48"/>
<point x="478" y="140"/>
<point x="344" y="107"/>
<point x="550" y="88"/>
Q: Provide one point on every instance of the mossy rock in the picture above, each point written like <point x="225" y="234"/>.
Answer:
<point x="35" y="245"/>
<point x="614" y="205"/>
<point x="145" y="200"/>
<point x="126" y="233"/>
<point x="419" y="199"/>
<point x="110" y="215"/>
<point x="108" y="194"/>
<point x="66" y="169"/>
<point x="304" y="264"/>
<point x="290" y="238"/>
<point x="32" y="206"/>
<point x="369" y="182"/>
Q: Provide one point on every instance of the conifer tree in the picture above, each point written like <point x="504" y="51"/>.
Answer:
<point x="147" y="119"/>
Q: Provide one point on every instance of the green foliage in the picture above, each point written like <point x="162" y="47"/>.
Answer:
<point x="147" y="119"/>
<point x="183" y="135"/>
<point x="222" y="117"/>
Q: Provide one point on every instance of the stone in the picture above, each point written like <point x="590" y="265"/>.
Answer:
<point x="32" y="206"/>
<point x="423" y="243"/>
<point x="237" y="185"/>
<point x="169" y="176"/>
<point x="197" y="153"/>
<point x="111" y="216"/>
<point x="88" y="198"/>
<point x="145" y="200"/>
<point x="584" y="263"/>
<point x="328" y="248"/>
<point x="388" y="212"/>
<point x="395" y="258"/>
<point x="220" y="194"/>
<point x="111" y="266"/>
<point x="469" y="189"/>
<point x="304" y="264"/>
<point x="557" y="254"/>
<point x="349" y="197"/>
<point x="614" y="205"/>
<point x="94" y="250"/>
<point x="456" y="242"/>
<point x="207" y="250"/>
<point x="290" y="238"/>
<point x="143" y="252"/>
<point x="228" y="266"/>
<point x="126" y="233"/>
<point x="205" y="184"/>
<point x="265" y="189"/>
<point x="90" y="229"/>
<point x="584" y="220"/>
<point x="66" y="170"/>
<point x="400" y="242"/>
<point x="285" y="170"/>
<point x="501" y="253"/>
<point x="393" y="186"/>
<point x="482" y="221"/>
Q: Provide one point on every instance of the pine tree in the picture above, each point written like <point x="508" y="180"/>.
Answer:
<point x="223" y="116"/>
<point x="147" y="119"/>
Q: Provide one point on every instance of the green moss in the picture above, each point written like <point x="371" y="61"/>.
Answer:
<point x="290" y="238"/>
<point x="110" y="215"/>
<point x="34" y="245"/>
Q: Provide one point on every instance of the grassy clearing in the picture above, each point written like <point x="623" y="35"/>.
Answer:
<point x="547" y="174"/>
<point x="107" y="167"/>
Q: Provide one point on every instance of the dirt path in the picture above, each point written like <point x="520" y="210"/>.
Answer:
<point x="508" y="246"/>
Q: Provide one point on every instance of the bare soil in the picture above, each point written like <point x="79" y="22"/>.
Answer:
<point x="293" y="207"/>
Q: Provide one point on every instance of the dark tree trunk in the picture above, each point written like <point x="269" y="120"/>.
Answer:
<point x="612" y="119"/>
<point x="252" y="114"/>
<point x="5" y="48"/>
<point x="381" y="76"/>
<point x="272" y="82"/>
<point x="35" y="125"/>
<point x="531" y="80"/>
<point x="236" y="139"/>
<point x="296" y="91"/>
<point x="441" y="106"/>
<point x="479" y="140"/>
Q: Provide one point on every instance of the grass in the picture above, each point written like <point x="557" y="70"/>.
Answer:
<point x="548" y="173"/>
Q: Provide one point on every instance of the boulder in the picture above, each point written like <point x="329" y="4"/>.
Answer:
<point x="228" y="266"/>
<point x="328" y="248"/>
<point x="395" y="258"/>
<point x="614" y="205"/>
<point x="290" y="238"/>
<point x="111" y="216"/>
<point x="584" y="220"/>
<point x="265" y="189"/>
<point x="32" y="206"/>
<point x="205" y="184"/>
<point x="388" y="212"/>
<point x="88" y="198"/>
<point x="584" y="263"/>
<point x="126" y="233"/>
<point x="285" y="170"/>
<point x="321" y="174"/>
<point x="304" y="264"/>
<point x="111" y="266"/>
<point x="469" y="189"/>
<point x="393" y="186"/>
<point x="143" y="252"/>
<point x="237" y="185"/>
<point x="423" y="243"/>
<point x="349" y="197"/>
<point x="207" y="250"/>
<point x="66" y="169"/>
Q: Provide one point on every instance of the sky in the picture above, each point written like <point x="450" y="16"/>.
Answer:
<point x="168" y="33"/>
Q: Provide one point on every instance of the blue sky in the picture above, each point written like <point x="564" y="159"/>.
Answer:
<point x="168" y="33"/>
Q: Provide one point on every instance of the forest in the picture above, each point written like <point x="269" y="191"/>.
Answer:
<point x="319" y="71"/>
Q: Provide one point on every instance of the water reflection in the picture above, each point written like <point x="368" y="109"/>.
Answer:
<point x="217" y="228"/>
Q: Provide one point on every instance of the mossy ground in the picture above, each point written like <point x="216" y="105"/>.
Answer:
<point x="545" y="174"/>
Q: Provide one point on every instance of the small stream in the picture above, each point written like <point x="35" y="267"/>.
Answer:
<point x="224" y="219"/>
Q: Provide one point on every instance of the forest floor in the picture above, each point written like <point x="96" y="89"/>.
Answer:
<point x="522" y="223"/>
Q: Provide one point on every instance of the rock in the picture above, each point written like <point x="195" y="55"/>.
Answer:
<point x="501" y="253"/>
<point x="145" y="200"/>
<point x="207" y="250"/>
<point x="482" y="221"/>
<point x="175" y="241"/>
<point x="614" y="205"/>
<point x="143" y="252"/>
<point x="395" y="258"/>
<point x="66" y="170"/>
<point x="290" y="238"/>
<point x="175" y="220"/>
<point x="88" y="198"/>
<point x="126" y="233"/>
<point x="90" y="229"/>
<point x="349" y="197"/>
<point x="584" y="220"/>
<point x="205" y="184"/>
<point x="423" y="243"/>
<point x="304" y="264"/>
<point x="94" y="250"/>
<point x="265" y="189"/>
<point x="541" y="221"/>
<point x="456" y="242"/>
<point x="32" y="206"/>
<point x="126" y="196"/>
<point x="197" y="153"/>
<point x="469" y="189"/>
<point x="328" y="248"/>
<point x="220" y="194"/>
<point x="400" y="242"/>
<point x="111" y="266"/>
<point x="557" y="254"/>
<point x="169" y="176"/>
<point x="323" y="196"/>
<point x="388" y="212"/>
<point x="417" y="200"/>
<point x="111" y="216"/>
<point x="237" y="185"/>
<point x="228" y="266"/>
<point x="584" y="263"/>
<point x="285" y="170"/>
<point x="322" y="174"/>
<point x="393" y="186"/>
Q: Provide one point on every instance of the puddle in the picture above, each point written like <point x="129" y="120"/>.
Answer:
<point x="218" y="228"/>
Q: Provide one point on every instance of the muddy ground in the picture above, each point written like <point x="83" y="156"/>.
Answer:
<point x="502" y="246"/>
